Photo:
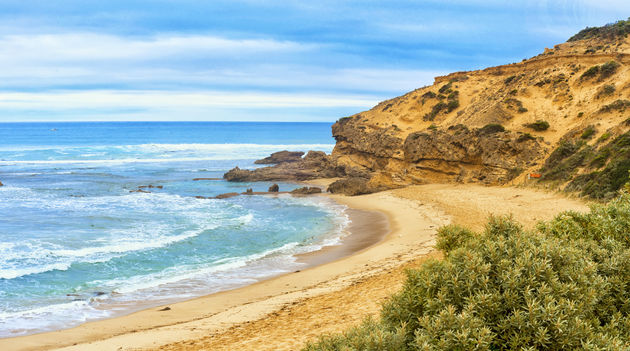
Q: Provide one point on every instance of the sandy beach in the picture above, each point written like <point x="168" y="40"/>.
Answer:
<point x="283" y="313"/>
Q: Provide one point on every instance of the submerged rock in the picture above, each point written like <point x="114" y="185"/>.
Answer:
<point x="151" y="186"/>
<point x="226" y="195"/>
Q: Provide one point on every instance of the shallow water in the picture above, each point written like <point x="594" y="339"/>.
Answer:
<point x="77" y="245"/>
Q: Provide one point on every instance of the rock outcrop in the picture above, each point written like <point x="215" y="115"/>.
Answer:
<point x="492" y="126"/>
<point x="281" y="157"/>
<point x="306" y="191"/>
<point x="315" y="164"/>
<point x="1" y="184"/>
<point x="274" y="188"/>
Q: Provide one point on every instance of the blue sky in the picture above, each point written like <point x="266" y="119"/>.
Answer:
<point x="258" y="60"/>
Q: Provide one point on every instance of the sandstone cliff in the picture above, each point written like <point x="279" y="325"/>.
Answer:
<point x="502" y="123"/>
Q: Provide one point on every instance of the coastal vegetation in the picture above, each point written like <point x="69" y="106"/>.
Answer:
<point x="619" y="29"/>
<point x="538" y="126"/>
<point x="564" y="285"/>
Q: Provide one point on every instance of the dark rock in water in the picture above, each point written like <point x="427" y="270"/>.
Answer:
<point x="249" y="192"/>
<point x="201" y="197"/>
<point x="274" y="188"/>
<point x="1" y="184"/>
<point x="151" y="186"/>
<point x="164" y="309"/>
<point x="226" y="195"/>
<point x="306" y="190"/>
<point x="315" y="164"/>
<point x="196" y="179"/>
<point x="351" y="186"/>
<point x="281" y="157"/>
<point x="139" y="191"/>
<point x="99" y="293"/>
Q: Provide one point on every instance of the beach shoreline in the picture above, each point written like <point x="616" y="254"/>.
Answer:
<point x="366" y="228"/>
<point x="413" y="213"/>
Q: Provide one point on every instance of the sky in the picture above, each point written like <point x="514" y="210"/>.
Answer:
<point x="251" y="60"/>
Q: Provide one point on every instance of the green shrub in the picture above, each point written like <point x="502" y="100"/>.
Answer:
<point x="452" y="105"/>
<point x="521" y="109"/>
<point x="564" y="286"/>
<point x="564" y="150"/>
<point x="588" y="133"/>
<point x="590" y="73"/>
<point x="608" y="89"/>
<point x="540" y="125"/>
<point x="369" y="336"/>
<point x="618" y="105"/>
<point x="580" y="114"/>
<point x="491" y="129"/>
<point x="446" y="88"/>
<point x="343" y="120"/>
<point x="437" y="108"/>
<point x="600" y="158"/>
<point x="451" y="237"/>
<point x="569" y="166"/>
<point x="429" y="95"/>
<point x="509" y="79"/>
<point x="604" y="71"/>
<point x="525" y="137"/>
<point x="608" y="69"/>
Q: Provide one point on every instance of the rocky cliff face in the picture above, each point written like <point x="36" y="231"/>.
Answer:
<point x="498" y="124"/>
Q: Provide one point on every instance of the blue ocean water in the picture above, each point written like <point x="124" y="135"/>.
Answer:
<point x="77" y="245"/>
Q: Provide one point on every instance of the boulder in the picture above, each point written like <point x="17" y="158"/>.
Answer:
<point x="274" y="188"/>
<point x="249" y="191"/>
<point x="351" y="186"/>
<point x="281" y="157"/>
<point x="306" y="190"/>
<point x="1" y="184"/>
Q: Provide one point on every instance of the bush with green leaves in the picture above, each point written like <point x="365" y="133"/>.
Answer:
<point x="540" y="125"/>
<point x="491" y="128"/>
<point x="563" y="286"/>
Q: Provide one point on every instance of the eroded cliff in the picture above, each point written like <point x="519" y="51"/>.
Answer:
<point x="500" y="124"/>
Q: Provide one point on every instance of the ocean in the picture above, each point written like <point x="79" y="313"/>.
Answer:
<point x="77" y="245"/>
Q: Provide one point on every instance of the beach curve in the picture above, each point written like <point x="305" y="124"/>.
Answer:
<point x="414" y="214"/>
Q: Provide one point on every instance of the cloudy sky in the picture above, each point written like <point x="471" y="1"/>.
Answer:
<point x="257" y="60"/>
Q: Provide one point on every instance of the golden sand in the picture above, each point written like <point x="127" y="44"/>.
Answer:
<point x="283" y="313"/>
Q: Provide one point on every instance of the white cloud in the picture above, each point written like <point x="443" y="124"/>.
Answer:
<point x="149" y="100"/>
<point x="38" y="49"/>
